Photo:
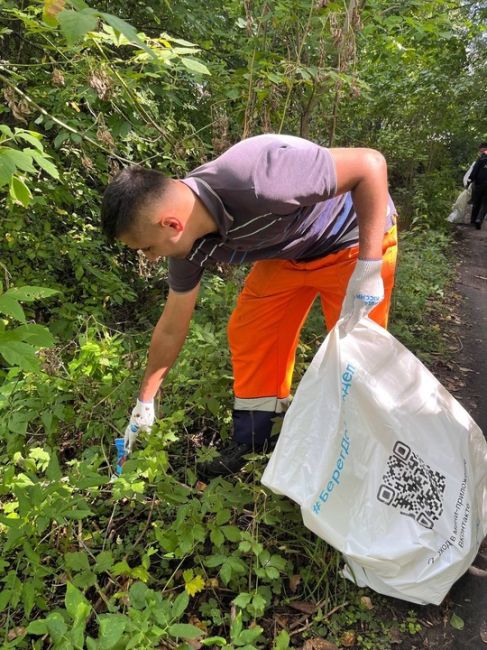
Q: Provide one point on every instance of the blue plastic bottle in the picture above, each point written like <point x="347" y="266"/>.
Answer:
<point x="121" y="455"/>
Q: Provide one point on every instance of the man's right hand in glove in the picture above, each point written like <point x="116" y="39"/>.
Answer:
<point x="142" y="419"/>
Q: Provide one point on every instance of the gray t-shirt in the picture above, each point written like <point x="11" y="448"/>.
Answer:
<point x="272" y="197"/>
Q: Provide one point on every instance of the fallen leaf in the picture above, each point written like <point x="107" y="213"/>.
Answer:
<point x="200" y="486"/>
<point x="395" y="636"/>
<point x="53" y="7"/>
<point x="475" y="571"/>
<point x="319" y="644"/>
<point x="348" y="639"/>
<point x="366" y="602"/>
<point x="194" y="620"/>
<point x="303" y="606"/>
<point x="16" y="632"/>
<point x="483" y="631"/>
<point x="294" y="582"/>
<point x="195" y="644"/>
<point x="282" y="621"/>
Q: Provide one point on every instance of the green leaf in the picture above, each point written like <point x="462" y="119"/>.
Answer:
<point x="232" y="93"/>
<point x="90" y="481"/>
<point x="216" y="536"/>
<point x="272" y="573"/>
<point x="242" y="600"/>
<point x="282" y="641"/>
<point x="20" y="159"/>
<point x="34" y="334"/>
<point x="6" y="130"/>
<point x="249" y="635"/>
<point x="20" y="354"/>
<point x="222" y="516"/>
<point x="10" y="307"/>
<point x="122" y="26"/>
<point x="40" y="454"/>
<point x="137" y="594"/>
<point x="78" y="4"/>
<point x="5" y="596"/>
<point x="29" y="293"/>
<point x="77" y="632"/>
<point x="104" y="561"/>
<point x="31" y="137"/>
<point x="28" y="596"/>
<point x="258" y="605"/>
<point x="19" y="191"/>
<point x="179" y="41"/>
<point x="214" y="640"/>
<point x="226" y="572"/>
<point x="128" y="31"/>
<point x="53" y="471"/>
<point x="112" y="627"/>
<point x="76" y="24"/>
<point x="456" y="622"/>
<point x="79" y="513"/>
<point x="185" y="631"/>
<point x="232" y="533"/>
<point x="76" y="604"/>
<point x="77" y="561"/>
<point x="215" y="560"/>
<point x="213" y="405"/>
<point x="60" y="138"/>
<point x="194" y="65"/>
<point x="45" y="164"/>
<point x="179" y="605"/>
<point x="38" y="627"/>
<point x="7" y="167"/>
<point x="56" y="626"/>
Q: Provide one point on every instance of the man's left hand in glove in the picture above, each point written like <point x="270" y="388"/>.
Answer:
<point x="365" y="290"/>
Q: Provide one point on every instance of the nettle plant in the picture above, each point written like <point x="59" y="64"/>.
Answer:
<point x="18" y="161"/>
<point x="19" y="344"/>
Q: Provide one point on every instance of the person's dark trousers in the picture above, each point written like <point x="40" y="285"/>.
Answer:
<point x="479" y="203"/>
<point x="253" y="427"/>
<point x="251" y="433"/>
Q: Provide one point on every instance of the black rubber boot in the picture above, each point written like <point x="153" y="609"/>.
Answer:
<point x="251" y="434"/>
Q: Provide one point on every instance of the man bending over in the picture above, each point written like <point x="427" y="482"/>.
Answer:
<point x="310" y="220"/>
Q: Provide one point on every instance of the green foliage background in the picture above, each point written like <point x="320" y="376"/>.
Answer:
<point x="155" y="559"/>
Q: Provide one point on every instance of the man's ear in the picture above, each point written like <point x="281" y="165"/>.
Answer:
<point x="172" y="222"/>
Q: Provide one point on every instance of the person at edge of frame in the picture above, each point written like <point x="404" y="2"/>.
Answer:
<point x="478" y="178"/>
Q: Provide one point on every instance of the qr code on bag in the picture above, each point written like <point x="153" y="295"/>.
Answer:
<point x="412" y="486"/>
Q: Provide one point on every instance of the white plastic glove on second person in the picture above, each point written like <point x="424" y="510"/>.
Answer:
<point x="142" y="419"/>
<point x="365" y="290"/>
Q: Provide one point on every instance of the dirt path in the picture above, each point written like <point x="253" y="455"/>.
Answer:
<point x="466" y="377"/>
<point x="469" y="595"/>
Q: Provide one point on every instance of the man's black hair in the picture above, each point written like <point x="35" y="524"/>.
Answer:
<point x="125" y="195"/>
<point x="483" y="145"/>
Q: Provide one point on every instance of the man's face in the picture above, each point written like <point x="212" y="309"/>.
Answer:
<point x="158" y="233"/>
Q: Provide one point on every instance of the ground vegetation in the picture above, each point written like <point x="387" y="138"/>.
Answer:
<point x="157" y="558"/>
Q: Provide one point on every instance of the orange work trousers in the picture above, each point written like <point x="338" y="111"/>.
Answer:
<point x="264" y="328"/>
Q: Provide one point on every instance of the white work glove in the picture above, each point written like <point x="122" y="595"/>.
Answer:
<point x="142" y="419"/>
<point x="365" y="290"/>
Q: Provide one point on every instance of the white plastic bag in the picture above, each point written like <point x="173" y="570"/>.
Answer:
<point x="461" y="210"/>
<point x="386" y="465"/>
